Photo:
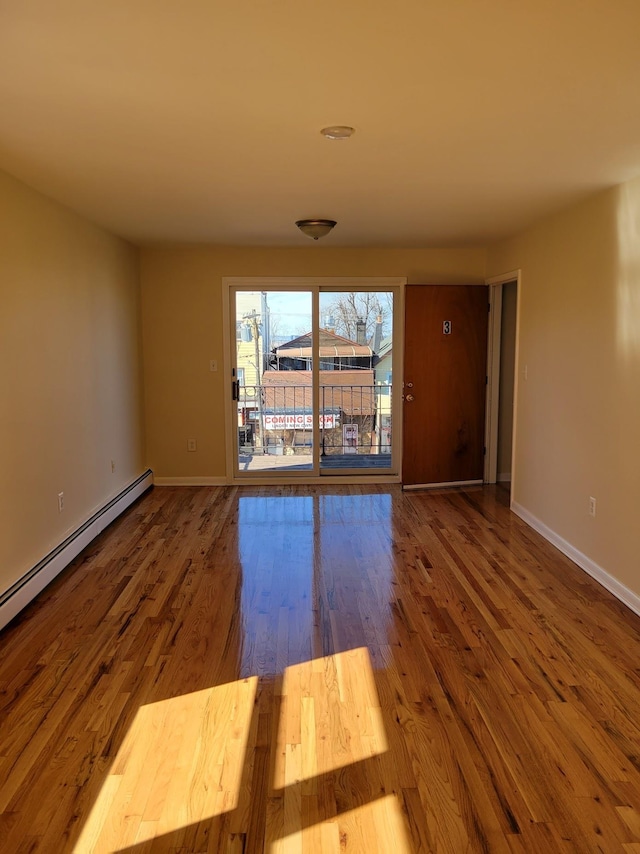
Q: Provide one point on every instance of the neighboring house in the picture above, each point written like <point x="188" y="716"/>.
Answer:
<point x="383" y="361"/>
<point x="253" y="332"/>
<point x="346" y="398"/>
<point x="253" y="337"/>
<point x="355" y="405"/>
<point x="383" y="371"/>
<point x="279" y="405"/>
<point x="336" y="353"/>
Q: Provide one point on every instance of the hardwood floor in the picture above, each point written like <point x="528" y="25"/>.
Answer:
<point x="320" y="670"/>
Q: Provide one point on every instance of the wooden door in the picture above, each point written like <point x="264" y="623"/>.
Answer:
<point x="445" y="366"/>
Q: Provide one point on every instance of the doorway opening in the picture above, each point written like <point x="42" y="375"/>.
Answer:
<point x="503" y="374"/>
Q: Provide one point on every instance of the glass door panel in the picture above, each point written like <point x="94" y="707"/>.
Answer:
<point x="355" y="344"/>
<point x="273" y="381"/>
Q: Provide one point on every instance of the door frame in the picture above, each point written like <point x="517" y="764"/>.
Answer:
<point x="257" y="283"/>
<point x="496" y="283"/>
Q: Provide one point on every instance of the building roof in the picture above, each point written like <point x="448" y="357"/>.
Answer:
<point x="386" y="346"/>
<point x="351" y="392"/>
<point x="330" y="345"/>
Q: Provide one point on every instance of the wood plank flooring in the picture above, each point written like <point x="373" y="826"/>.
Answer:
<point x="315" y="669"/>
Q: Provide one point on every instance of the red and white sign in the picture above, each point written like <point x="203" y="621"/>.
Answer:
<point x="350" y="438"/>
<point x="293" y="421"/>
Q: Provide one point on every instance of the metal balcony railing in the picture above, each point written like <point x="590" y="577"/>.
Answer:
<point x="277" y="417"/>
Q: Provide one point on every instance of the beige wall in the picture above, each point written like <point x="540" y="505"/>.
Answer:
<point x="578" y="417"/>
<point x="182" y="330"/>
<point x="70" y="379"/>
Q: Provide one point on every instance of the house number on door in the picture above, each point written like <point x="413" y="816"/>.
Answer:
<point x="446" y="327"/>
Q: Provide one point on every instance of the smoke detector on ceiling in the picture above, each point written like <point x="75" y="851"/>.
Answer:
<point x="338" y="132"/>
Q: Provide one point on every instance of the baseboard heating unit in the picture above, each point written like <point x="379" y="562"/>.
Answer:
<point x="18" y="596"/>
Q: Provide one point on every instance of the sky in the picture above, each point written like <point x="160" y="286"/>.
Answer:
<point x="291" y="311"/>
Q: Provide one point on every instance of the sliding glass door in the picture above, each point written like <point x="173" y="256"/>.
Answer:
<point x="312" y="379"/>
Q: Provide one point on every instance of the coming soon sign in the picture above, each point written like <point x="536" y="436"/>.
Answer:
<point x="295" y="421"/>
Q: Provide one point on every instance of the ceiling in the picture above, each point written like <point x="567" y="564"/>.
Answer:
<point x="199" y="120"/>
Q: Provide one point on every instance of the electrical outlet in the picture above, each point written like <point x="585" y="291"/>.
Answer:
<point x="113" y="466"/>
<point x="60" y="502"/>
<point x="192" y="445"/>
<point x="213" y="364"/>
<point x="592" y="506"/>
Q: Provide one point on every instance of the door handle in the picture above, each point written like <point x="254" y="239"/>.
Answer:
<point x="409" y="398"/>
<point x="235" y="389"/>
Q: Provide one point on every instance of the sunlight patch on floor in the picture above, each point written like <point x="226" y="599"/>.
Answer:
<point x="330" y="717"/>
<point x="181" y="762"/>
<point x="374" y="828"/>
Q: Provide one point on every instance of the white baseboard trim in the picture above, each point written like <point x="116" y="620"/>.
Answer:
<point x="18" y="596"/>
<point x="443" y="485"/>
<point x="190" y="481"/>
<point x="617" y="588"/>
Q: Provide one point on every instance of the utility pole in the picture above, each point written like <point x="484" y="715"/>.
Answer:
<point x="252" y="320"/>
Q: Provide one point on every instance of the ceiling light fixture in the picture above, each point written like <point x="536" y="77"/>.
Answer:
<point x="338" y="132"/>
<point x="316" y="228"/>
